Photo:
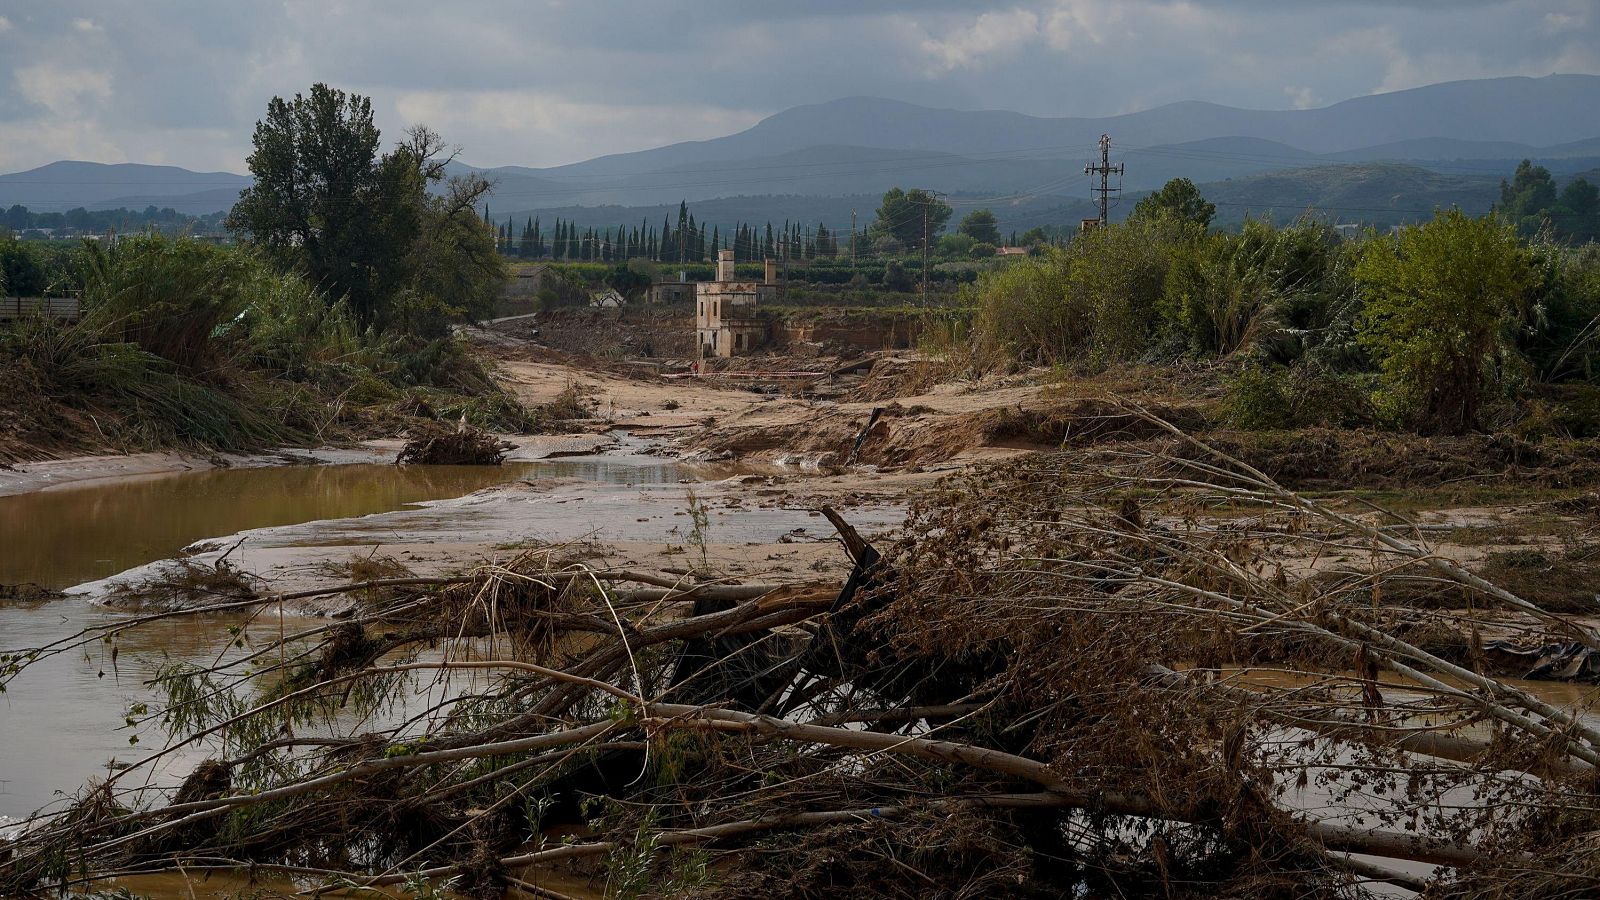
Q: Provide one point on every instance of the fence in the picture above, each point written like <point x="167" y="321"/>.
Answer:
<point x="48" y="307"/>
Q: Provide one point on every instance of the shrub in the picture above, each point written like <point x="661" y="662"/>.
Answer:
<point x="1267" y="399"/>
<point x="1116" y="276"/>
<point x="1024" y="312"/>
<point x="1440" y="298"/>
<point x="1218" y="295"/>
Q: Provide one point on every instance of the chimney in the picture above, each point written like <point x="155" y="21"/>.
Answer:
<point x="724" y="265"/>
<point x="772" y="271"/>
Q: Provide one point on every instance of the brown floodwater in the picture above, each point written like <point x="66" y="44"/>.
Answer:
<point x="66" y="536"/>
<point x="63" y="720"/>
<point x="62" y="723"/>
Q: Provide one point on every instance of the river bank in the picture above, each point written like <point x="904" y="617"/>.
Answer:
<point x="1025" y="578"/>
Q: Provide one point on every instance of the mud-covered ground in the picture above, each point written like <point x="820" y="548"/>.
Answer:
<point x="762" y="456"/>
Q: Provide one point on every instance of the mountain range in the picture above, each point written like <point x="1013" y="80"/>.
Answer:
<point x="1467" y="134"/>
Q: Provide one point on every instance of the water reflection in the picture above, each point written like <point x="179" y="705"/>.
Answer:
<point x="59" y="538"/>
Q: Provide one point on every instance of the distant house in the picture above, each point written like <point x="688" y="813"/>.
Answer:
<point x="725" y="317"/>
<point x="671" y="290"/>
<point x="1011" y="251"/>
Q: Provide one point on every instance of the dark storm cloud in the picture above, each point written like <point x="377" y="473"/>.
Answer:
<point x="550" y="82"/>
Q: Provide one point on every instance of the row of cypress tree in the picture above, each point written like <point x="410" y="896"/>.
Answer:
<point x="688" y="241"/>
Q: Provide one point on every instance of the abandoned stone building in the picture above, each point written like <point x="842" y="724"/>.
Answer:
<point x="726" y="319"/>
<point x="676" y="289"/>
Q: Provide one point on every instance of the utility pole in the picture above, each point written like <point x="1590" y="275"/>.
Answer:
<point x="1105" y="170"/>
<point x="926" y="209"/>
<point x="852" y="242"/>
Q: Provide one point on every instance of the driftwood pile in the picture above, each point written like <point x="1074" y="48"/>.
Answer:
<point x="461" y="446"/>
<point x="1133" y="675"/>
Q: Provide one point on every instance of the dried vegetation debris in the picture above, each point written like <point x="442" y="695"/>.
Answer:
<point x="461" y="446"/>
<point x="185" y="584"/>
<point x="1106" y="674"/>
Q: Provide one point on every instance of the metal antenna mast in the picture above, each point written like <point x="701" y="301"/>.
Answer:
<point x="1105" y="170"/>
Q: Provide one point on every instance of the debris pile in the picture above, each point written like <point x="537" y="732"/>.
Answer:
<point x="462" y="446"/>
<point x="1149" y="672"/>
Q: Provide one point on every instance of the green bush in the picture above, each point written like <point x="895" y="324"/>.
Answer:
<point x="1268" y="399"/>
<point x="188" y="344"/>
<point x="1440" y="302"/>
<point x="1024" y="312"/>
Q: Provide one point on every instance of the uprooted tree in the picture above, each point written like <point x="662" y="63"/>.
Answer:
<point x="1142" y="670"/>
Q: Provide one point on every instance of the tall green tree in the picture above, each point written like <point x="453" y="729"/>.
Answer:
<point x="361" y="225"/>
<point x="981" y="226"/>
<point x="901" y="215"/>
<point x="407" y="258"/>
<point x="323" y="201"/>
<point x="1178" y="199"/>
<point x="1530" y="192"/>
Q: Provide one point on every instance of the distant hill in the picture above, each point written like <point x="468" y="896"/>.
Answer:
<point x="862" y="146"/>
<point x="61" y="186"/>
<point x="1536" y="111"/>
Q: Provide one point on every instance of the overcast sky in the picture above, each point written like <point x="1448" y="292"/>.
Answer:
<point x="544" y="83"/>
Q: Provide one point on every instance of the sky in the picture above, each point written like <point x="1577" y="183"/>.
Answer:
<point x="557" y="81"/>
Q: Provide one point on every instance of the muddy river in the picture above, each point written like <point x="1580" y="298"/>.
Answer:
<point x="66" y="536"/>
<point x="63" y="720"/>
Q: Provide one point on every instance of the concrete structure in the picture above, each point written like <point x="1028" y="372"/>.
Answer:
<point x="725" y="318"/>
<point x="671" y="290"/>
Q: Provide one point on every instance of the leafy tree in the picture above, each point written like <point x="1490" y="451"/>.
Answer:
<point x="22" y="270"/>
<point x="1528" y="195"/>
<point x="900" y="215"/>
<point x="959" y="244"/>
<point x="1580" y="198"/>
<point x="981" y="226"/>
<point x="1178" y="199"/>
<point x="1438" y="299"/>
<point x="363" y="226"/>
<point x="896" y="278"/>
